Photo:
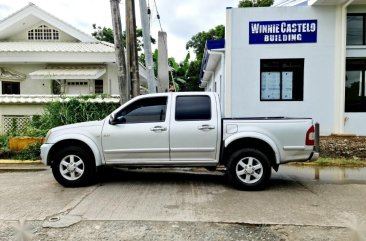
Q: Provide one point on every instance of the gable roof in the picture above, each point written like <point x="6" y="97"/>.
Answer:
<point x="32" y="14"/>
<point x="65" y="47"/>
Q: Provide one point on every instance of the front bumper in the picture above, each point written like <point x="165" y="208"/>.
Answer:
<point x="45" y="149"/>
<point x="313" y="156"/>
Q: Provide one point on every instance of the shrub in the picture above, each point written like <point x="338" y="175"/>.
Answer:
<point x="31" y="153"/>
<point x="69" y="111"/>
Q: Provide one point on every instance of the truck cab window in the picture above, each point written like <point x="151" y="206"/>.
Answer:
<point x="193" y="108"/>
<point x="143" y="111"/>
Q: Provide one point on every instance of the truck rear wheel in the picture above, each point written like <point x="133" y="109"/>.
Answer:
<point x="73" y="167"/>
<point x="248" y="169"/>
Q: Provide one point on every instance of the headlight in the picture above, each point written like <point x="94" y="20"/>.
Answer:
<point x="48" y="135"/>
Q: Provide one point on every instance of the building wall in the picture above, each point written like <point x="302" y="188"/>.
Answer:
<point x="23" y="35"/>
<point x="216" y="82"/>
<point x="243" y="86"/>
<point x="20" y="110"/>
<point x="30" y="86"/>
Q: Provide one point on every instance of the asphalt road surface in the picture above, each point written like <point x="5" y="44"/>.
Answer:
<point x="300" y="203"/>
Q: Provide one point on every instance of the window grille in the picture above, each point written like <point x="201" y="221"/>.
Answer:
<point x="43" y="32"/>
<point x="16" y="123"/>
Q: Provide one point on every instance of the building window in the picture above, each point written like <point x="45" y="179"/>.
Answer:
<point x="355" y="85"/>
<point x="10" y="88"/>
<point x="98" y="86"/>
<point x="43" y="32"/>
<point x="56" y="87"/>
<point x="77" y="83"/>
<point x="282" y="80"/>
<point x="356" y="26"/>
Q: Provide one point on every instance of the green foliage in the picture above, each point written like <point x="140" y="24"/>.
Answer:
<point x="106" y="34"/>
<point x="69" y="111"/>
<point x="258" y="3"/>
<point x="192" y="83"/>
<point x="4" y="139"/>
<point x="103" y="34"/>
<point x="179" y="72"/>
<point x="198" y="41"/>
<point x="31" y="153"/>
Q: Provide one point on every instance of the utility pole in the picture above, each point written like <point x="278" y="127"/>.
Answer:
<point x="149" y="63"/>
<point x="163" y="68"/>
<point x="119" y="50"/>
<point x="132" y="57"/>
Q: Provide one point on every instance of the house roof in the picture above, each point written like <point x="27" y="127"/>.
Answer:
<point x="43" y="99"/>
<point x="67" y="72"/>
<point x="336" y="2"/>
<point x="30" y="15"/>
<point x="64" y="47"/>
<point x="210" y="61"/>
<point x="316" y="2"/>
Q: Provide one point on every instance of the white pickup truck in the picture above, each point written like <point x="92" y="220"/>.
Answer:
<point x="178" y="130"/>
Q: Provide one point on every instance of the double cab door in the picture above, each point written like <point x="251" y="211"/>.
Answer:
<point x="167" y="129"/>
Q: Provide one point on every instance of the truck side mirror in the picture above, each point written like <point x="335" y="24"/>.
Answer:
<point x="112" y="119"/>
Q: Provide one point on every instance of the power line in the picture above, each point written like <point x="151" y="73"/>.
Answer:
<point x="158" y="15"/>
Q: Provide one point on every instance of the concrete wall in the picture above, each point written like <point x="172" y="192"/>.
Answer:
<point x="243" y="64"/>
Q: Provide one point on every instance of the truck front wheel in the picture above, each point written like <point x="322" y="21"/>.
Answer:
<point x="73" y="167"/>
<point x="248" y="169"/>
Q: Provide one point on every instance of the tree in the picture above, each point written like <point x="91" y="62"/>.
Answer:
<point x="255" y="3"/>
<point x="106" y="34"/>
<point x="198" y="41"/>
<point x="179" y="72"/>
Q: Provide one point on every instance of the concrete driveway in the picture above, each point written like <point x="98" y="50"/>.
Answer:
<point x="296" y="196"/>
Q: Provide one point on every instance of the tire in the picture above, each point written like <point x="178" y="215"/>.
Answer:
<point x="73" y="167"/>
<point x="249" y="169"/>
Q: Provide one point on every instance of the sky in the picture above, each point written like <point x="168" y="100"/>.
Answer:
<point x="181" y="19"/>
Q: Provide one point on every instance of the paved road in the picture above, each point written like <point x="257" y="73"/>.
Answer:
<point x="297" y="196"/>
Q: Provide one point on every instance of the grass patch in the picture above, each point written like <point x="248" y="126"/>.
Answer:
<point x="335" y="162"/>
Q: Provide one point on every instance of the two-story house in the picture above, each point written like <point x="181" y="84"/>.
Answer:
<point x="43" y="57"/>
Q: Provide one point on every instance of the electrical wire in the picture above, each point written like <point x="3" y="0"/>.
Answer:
<point x="165" y="44"/>
<point x="149" y="13"/>
<point x="158" y="15"/>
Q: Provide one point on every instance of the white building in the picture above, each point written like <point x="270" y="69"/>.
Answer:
<point x="292" y="61"/>
<point x="42" y="57"/>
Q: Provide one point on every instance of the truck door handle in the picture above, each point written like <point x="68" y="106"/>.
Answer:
<point x="206" y="127"/>
<point x="158" y="128"/>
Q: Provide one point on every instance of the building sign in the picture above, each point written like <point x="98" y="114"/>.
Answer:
<point x="279" y="32"/>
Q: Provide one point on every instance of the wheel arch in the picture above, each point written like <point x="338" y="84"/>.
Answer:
<point x="83" y="142"/>
<point x="255" y="141"/>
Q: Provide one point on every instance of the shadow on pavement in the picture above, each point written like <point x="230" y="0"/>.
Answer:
<point x="160" y="175"/>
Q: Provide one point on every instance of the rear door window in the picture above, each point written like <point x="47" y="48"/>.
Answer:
<point x="193" y="108"/>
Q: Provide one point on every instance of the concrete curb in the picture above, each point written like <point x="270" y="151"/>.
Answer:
<point x="5" y="161"/>
<point x="21" y="165"/>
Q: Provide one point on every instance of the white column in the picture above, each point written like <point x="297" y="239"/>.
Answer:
<point x="341" y="53"/>
<point x="228" y="69"/>
<point x="163" y="68"/>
